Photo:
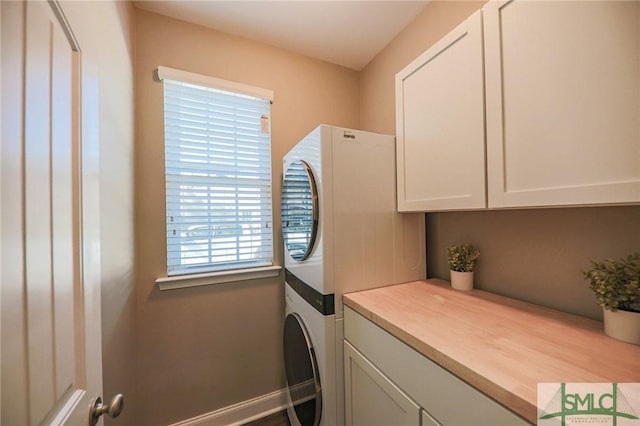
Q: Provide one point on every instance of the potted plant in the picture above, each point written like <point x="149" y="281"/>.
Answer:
<point x="462" y="261"/>
<point x="616" y="284"/>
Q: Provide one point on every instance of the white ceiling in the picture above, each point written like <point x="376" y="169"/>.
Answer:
<point x="347" y="33"/>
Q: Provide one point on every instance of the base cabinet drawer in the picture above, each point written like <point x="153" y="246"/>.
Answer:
<point x="442" y="398"/>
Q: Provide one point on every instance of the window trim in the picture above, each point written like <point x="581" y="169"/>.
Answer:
<point x="218" y="83"/>
<point x="208" y="278"/>
<point x="170" y="282"/>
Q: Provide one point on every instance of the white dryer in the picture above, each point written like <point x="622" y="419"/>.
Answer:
<point x="341" y="233"/>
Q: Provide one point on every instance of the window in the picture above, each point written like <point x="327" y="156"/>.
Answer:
<point x="218" y="174"/>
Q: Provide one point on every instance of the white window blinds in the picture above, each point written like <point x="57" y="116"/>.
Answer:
<point x="218" y="175"/>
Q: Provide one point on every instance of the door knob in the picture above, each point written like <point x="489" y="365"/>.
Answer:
<point x="97" y="408"/>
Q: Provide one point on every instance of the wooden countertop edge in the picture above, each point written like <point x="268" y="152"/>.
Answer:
<point x="516" y="328"/>
<point x="518" y="405"/>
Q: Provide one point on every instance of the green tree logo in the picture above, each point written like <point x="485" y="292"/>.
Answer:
<point x="566" y="404"/>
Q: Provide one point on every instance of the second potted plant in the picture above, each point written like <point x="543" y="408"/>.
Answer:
<point x="462" y="262"/>
<point x="616" y="284"/>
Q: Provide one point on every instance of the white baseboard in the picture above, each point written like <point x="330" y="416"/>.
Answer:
<point x="241" y="413"/>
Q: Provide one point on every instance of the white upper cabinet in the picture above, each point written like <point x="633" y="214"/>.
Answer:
<point x="562" y="102"/>
<point x="558" y="87"/>
<point x="440" y="124"/>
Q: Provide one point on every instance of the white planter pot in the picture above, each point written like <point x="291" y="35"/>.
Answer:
<point x="462" y="280"/>
<point x="622" y="325"/>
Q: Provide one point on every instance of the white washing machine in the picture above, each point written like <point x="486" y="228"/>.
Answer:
<point x="341" y="233"/>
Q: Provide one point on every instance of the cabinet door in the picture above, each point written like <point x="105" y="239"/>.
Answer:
<point x="563" y="102"/>
<point x="370" y="398"/>
<point x="427" y="420"/>
<point x="440" y="124"/>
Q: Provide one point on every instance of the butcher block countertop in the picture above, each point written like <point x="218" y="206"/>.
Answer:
<point x="503" y="347"/>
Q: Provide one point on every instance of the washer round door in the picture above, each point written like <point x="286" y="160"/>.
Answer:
<point x="299" y="210"/>
<point x="303" y="379"/>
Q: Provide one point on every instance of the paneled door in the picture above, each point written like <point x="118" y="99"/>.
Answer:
<point x="51" y="340"/>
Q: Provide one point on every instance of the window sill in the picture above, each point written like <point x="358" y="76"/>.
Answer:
<point x="195" y="280"/>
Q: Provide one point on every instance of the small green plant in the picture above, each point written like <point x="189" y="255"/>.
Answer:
<point x="462" y="257"/>
<point x="616" y="283"/>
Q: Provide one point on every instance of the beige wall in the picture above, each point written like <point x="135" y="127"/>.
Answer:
<point x="534" y="255"/>
<point x="205" y="348"/>
<point x="112" y="26"/>
<point x="537" y="255"/>
<point x="377" y="79"/>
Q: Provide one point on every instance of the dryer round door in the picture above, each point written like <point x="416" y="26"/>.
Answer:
<point x="299" y="210"/>
<point x="303" y="379"/>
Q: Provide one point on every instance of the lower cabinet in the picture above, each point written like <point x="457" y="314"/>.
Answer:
<point x="371" y="399"/>
<point x="389" y="383"/>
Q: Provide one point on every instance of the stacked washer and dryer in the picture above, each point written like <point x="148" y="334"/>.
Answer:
<point x="341" y="233"/>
